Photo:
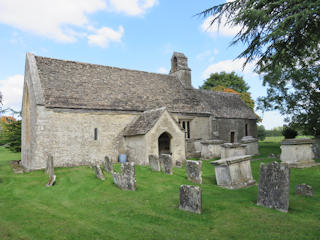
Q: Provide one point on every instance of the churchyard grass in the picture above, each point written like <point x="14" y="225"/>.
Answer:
<point x="80" y="206"/>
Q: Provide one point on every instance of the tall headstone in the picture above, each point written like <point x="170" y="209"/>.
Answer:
<point x="304" y="189"/>
<point x="166" y="163"/>
<point x="98" y="172"/>
<point x="107" y="164"/>
<point x="274" y="185"/>
<point x="194" y="171"/>
<point x="154" y="163"/>
<point x="190" y="198"/>
<point x="127" y="178"/>
<point x="49" y="166"/>
<point x="50" y="171"/>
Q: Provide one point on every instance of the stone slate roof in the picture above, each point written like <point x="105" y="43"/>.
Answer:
<point x="76" y="85"/>
<point x="144" y="122"/>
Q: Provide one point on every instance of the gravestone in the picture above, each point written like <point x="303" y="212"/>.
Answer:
<point x="211" y="148"/>
<point x="49" y="166"/>
<point x="251" y="143"/>
<point x="52" y="180"/>
<point x="234" y="172"/>
<point x="273" y="191"/>
<point x="179" y="164"/>
<point x="298" y="153"/>
<point x="304" y="189"/>
<point x="229" y="150"/>
<point x="50" y="171"/>
<point x="166" y="163"/>
<point x="98" y="172"/>
<point x="190" y="198"/>
<point x="154" y="163"/>
<point x="107" y="164"/>
<point x="194" y="171"/>
<point x="127" y="178"/>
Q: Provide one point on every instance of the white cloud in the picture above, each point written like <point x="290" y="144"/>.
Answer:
<point x="131" y="7"/>
<point x="11" y="89"/>
<point x="230" y="66"/>
<point x="66" y="20"/>
<point x="52" y="19"/>
<point x="162" y="70"/>
<point x="225" y="29"/>
<point x="104" y="35"/>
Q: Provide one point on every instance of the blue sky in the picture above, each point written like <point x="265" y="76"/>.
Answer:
<point x="134" y="34"/>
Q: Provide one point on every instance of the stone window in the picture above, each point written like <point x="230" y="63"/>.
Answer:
<point x="96" y="134"/>
<point x="185" y="124"/>
<point x="246" y="130"/>
<point x="232" y="135"/>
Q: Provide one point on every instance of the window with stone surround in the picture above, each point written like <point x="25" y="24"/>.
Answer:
<point x="185" y="124"/>
<point x="96" y="134"/>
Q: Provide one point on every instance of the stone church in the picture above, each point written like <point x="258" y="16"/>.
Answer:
<point x="80" y="112"/>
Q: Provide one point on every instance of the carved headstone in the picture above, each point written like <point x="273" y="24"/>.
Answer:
<point x="154" y="163"/>
<point x="274" y="184"/>
<point x="304" y="189"/>
<point x="98" y="172"/>
<point x="127" y="178"/>
<point x="107" y="164"/>
<point x="190" y="198"/>
<point x="166" y="163"/>
<point x="194" y="171"/>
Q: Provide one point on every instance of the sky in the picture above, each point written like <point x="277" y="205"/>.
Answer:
<point x="133" y="34"/>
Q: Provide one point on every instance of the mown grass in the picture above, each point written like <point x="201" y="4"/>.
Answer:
<point x="80" y="206"/>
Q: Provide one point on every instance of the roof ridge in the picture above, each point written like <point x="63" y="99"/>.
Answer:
<point x="101" y="65"/>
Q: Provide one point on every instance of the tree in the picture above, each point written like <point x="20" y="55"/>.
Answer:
<point x="231" y="83"/>
<point x="283" y="38"/>
<point x="261" y="132"/>
<point x="11" y="135"/>
<point x="228" y="80"/>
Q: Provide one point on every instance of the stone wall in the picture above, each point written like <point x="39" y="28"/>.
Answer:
<point x="199" y="125"/>
<point x="29" y="113"/>
<point x="69" y="136"/>
<point x="136" y="149"/>
<point x="226" y="126"/>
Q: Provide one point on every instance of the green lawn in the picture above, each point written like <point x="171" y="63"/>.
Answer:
<point x="80" y="206"/>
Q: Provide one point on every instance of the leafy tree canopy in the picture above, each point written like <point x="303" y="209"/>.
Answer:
<point x="11" y="135"/>
<point x="228" y="80"/>
<point x="283" y="37"/>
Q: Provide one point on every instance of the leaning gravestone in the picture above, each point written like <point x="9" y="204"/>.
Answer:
<point x="154" y="163"/>
<point x="166" y="163"/>
<point x="274" y="184"/>
<point x="190" y="198"/>
<point x="304" y="189"/>
<point x="127" y="178"/>
<point x="98" y="172"/>
<point x="194" y="171"/>
<point x="107" y="164"/>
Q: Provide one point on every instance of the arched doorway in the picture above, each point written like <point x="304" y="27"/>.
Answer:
<point x="164" y="143"/>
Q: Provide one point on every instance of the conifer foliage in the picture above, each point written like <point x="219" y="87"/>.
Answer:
<point x="283" y="38"/>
